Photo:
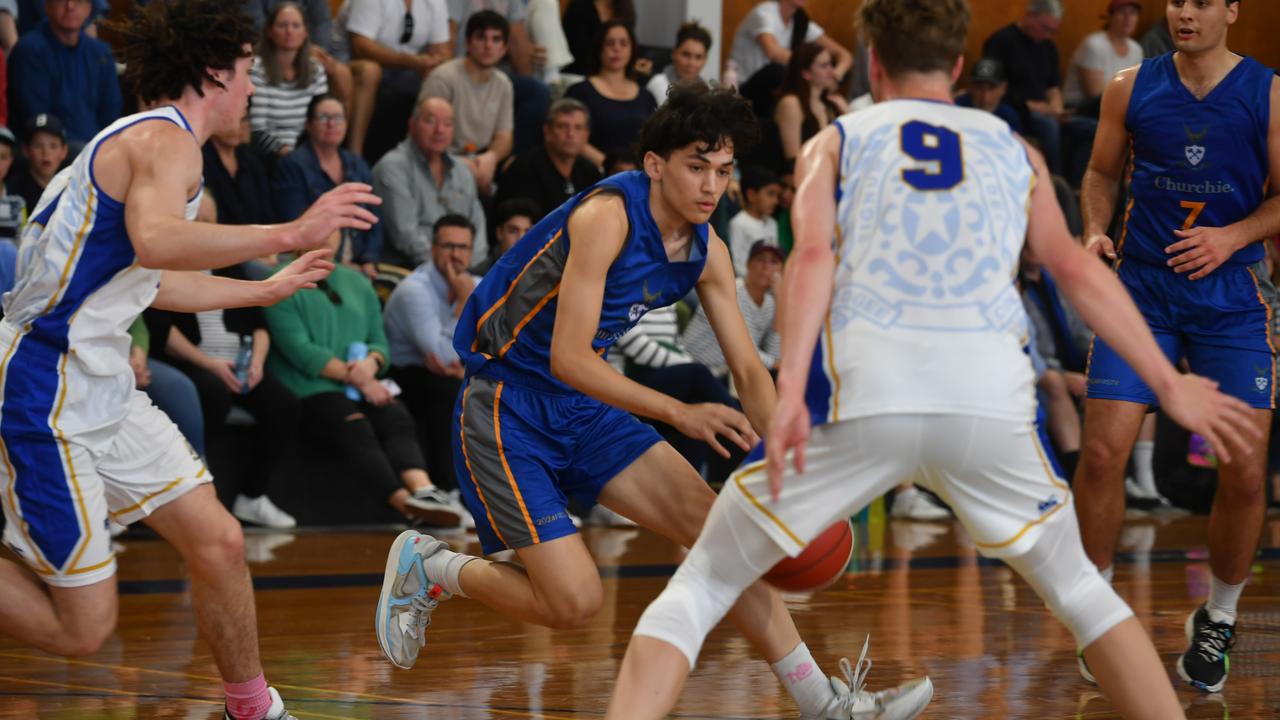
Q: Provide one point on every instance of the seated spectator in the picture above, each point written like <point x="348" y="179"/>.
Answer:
<point x="420" y="317"/>
<point x="584" y="21"/>
<point x="809" y="99"/>
<point x="420" y="182"/>
<point x="524" y="63"/>
<point x="762" y="47"/>
<point x="58" y="69"/>
<point x="316" y="166"/>
<point x="30" y="13"/>
<point x="1157" y="40"/>
<point x="756" y="293"/>
<point x="285" y="78"/>
<point x="1030" y="58"/>
<point x="987" y="86"/>
<point x="207" y="347"/>
<point x="1103" y="54"/>
<point x="620" y="161"/>
<point x="688" y="57"/>
<point x="46" y="151"/>
<point x="755" y="222"/>
<point x="236" y="179"/>
<point x="511" y="220"/>
<point x="618" y="105"/>
<point x="554" y="171"/>
<point x="481" y="97"/>
<point x="13" y="208"/>
<point x="8" y="25"/>
<point x="394" y="46"/>
<point x="320" y="31"/>
<point x="316" y="337"/>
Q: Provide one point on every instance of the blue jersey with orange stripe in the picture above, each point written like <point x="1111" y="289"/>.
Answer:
<point x="506" y="326"/>
<point x="1196" y="162"/>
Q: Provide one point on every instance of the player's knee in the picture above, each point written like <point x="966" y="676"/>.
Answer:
<point x="1100" y="459"/>
<point x="85" y="636"/>
<point x="576" y="610"/>
<point x="220" y="548"/>
<point x="1242" y="489"/>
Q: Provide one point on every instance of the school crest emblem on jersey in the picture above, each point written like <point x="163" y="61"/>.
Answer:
<point x="1195" y="151"/>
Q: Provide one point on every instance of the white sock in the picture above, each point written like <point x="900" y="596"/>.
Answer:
<point x="444" y="566"/>
<point x="804" y="681"/>
<point x="1143" y="471"/>
<point x="1108" y="573"/>
<point x="1223" y="598"/>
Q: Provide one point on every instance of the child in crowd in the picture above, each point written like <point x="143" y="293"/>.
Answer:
<point x="755" y="222"/>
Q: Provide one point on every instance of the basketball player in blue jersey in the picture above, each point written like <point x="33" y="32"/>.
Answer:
<point x="79" y="444"/>
<point x="905" y="337"/>
<point x="1201" y="127"/>
<point x="543" y="416"/>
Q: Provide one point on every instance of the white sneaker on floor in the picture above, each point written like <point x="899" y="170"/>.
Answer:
<point x="468" y="522"/>
<point x="433" y="507"/>
<point x="852" y="702"/>
<point x="911" y="504"/>
<point x="601" y="516"/>
<point x="261" y="511"/>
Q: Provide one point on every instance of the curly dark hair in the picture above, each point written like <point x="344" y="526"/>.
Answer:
<point x="170" y="45"/>
<point x="696" y="113"/>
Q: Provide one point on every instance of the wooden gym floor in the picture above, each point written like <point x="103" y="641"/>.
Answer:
<point x="930" y="602"/>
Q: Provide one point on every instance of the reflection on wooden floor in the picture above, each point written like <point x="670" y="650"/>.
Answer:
<point x="931" y="604"/>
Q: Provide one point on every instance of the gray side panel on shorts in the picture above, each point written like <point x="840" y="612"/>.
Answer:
<point x="480" y="446"/>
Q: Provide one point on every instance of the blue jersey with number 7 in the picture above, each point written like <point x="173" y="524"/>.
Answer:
<point x="1196" y="162"/>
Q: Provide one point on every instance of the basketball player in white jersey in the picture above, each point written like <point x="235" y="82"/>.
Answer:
<point x="79" y="445"/>
<point x="919" y="369"/>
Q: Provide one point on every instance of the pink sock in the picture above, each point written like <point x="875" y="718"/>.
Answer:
<point x="248" y="700"/>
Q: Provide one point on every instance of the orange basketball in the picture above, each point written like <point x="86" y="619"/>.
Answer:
<point x="821" y="562"/>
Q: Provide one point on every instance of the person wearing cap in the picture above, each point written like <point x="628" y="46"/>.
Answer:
<point x="987" y="86"/>
<point x="756" y="300"/>
<point x="59" y="69"/>
<point x="1104" y="53"/>
<point x="45" y="145"/>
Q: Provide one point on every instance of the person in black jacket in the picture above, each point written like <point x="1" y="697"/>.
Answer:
<point x="237" y="177"/>
<point x="554" y="171"/>
<point x="207" y="347"/>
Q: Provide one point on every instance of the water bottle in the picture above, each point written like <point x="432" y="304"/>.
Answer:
<point x="356" y="351"/>
<point x="243" y="358"/>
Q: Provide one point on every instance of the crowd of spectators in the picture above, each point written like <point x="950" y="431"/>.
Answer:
<point x="472" y="120"/>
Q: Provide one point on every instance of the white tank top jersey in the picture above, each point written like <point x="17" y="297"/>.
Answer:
<point x="932" y="211"/>
<point x="79" y="287"/>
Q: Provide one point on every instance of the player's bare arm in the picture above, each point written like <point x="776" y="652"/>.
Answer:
<point x="718" y="294"/>
<point x="600" y="226"/>
<point x="155" y="185"/>
<point x="1096" y="292"/>
<point x="806" y="295"/>
<point x="1101" y="184"/>
<point x="1201" y="250"/>
<point x="191" y="292"/>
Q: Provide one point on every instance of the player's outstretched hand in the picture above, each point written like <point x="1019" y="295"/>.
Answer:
<point x="300" y="274"/>
<point x="788" y="430"/>
<point x="1101" y="246"/>
<point x="338" y="209"/>
<point x="1225" y="422"/>
<point x="705" y="421"/>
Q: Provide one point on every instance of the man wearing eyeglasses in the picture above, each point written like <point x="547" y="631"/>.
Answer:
<point x="420" y="318"/>
<point x="58" y="69"/>
<point x="1030" y="58"/>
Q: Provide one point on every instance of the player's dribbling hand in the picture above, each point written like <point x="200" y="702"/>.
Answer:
<point x="788" y="430"/>
<point x="1227" y="423"/>
<point x="1101" y="246"/>
<point x="300" y="274"/>
<point x="338" y="209"/>
<point x="704" y="421"/>
<point x="1201" y="250"/>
